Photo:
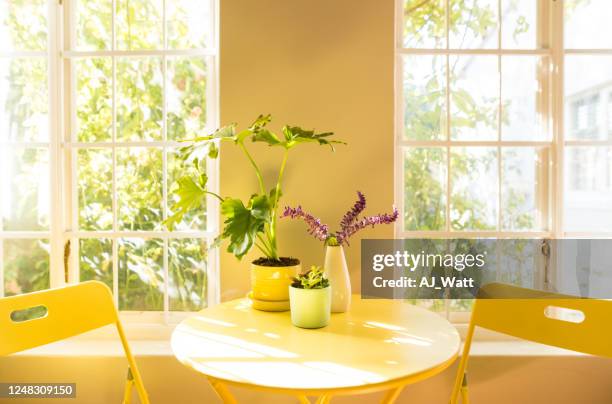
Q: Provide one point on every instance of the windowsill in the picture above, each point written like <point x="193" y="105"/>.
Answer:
<point x="86" y="346"/>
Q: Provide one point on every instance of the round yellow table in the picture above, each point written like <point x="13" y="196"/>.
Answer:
<point x="377" y="345"/>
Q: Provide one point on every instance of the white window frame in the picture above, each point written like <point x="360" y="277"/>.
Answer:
<point x="63" y="148"/>
<point x="550" y="40"/>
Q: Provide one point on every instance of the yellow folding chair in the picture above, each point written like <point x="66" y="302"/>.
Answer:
<point x="527" y="314"/>
<point x="70" y="311"/>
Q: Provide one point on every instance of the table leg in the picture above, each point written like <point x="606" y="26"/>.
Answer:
<point x="392" y="395"/>
<point x="222" y="391"/>
<point x="303" y="400"/>
<point x="324" y="399"/>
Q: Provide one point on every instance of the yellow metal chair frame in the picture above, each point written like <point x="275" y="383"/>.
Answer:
<point x="521" y="313"/>
<point x="71" y="310"/>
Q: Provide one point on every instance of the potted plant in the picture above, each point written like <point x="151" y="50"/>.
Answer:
<point x="335" y="260"/>
<point x="252" y="223"/>
<point x="310" y="296"/>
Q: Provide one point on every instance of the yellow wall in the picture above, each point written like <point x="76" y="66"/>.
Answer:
<point x="320" y="64"/>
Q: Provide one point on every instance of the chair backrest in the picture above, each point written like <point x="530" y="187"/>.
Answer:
<point x="70" y="311"/>
<point x="534" y="316"/>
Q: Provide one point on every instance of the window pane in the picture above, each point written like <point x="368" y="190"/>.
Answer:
<point x="94" y="109"/>
<point x="139" y="24"/>
<point x="587" y="24"/>
<point x="588" y="96"/>
<point x="24" y="99"/>
<point x="23" y="25"/>
<point x="94" y="24"/>
<point x="95" y="167"/>
<point x="95" y="260"/>
<point x="141" y="274"/>
<point x="187" y="259"/>
<point x="424" y="24"/>
<point x="139" y="99"/>
<point x="26" y="266"/>
<point x="474" y="97"/>
<point x="186" y="97"/>
<point x="177" y="168"/>
<point x="474" y="188"/>
<point x="24" y="188"/>
<point x="424" y="97"/>
<point x="425" y="189"/>
<point x="523" y="104"/>
<point x="524" y="188"/>
<point x="519" y="24"/>
<point x="473" y="24"/>
<point x="588" y="189"/>
<point x="189" y="24"/>
<point x="139" y="188"/>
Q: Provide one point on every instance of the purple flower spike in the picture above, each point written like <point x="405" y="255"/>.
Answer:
<point x="349" y="225"/>
<point x="315" y="227"/>
<point x="371" y="221"/>
<point x="350" y="216"/>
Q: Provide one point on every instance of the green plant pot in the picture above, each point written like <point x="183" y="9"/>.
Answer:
<point x="310" y="308"/>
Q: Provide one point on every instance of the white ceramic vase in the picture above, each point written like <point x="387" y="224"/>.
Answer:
<point x="337" y="272"/>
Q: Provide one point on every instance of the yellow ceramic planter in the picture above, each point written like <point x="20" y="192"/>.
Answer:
<point x="272" y="283"/>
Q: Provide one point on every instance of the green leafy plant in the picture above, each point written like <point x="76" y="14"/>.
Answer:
<point x="312" y="279"/>
<point x="252" y="223"/>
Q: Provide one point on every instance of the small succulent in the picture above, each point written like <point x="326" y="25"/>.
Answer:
<point x="312" y="279"/>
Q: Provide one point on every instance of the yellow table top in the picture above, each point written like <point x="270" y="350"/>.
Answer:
<point x="376" y="342"/>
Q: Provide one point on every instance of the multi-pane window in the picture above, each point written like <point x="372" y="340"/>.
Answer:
<point x="502" y="118"/>
<point x="473" y="118"/>
<point x="25" y="152"/>
<point x="136" y="78"/>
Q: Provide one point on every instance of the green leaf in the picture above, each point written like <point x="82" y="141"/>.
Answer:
<point x="243" y="223"/>
<point x="191" y="196"/>
<point x="295" y="135"/>
<point x="264" y="135"/>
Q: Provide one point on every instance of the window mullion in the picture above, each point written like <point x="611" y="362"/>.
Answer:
<point x="54" y="74"/>
<point x="115" y="247"/>
<point x="556" y="43"/>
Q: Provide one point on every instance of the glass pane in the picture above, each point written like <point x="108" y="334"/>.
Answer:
<point x="139" y="188"/>
<point x="187" y="260"/>
<point x="186" y="24"/>
<point x="519" y="24"/>
<point x="139" y="99"/>
<point x="588" y="189"/>
<point x="24" y="99"/>
<point x="26" y="266"/>
<point x="474" y="97"/>
<point x="24" y="188"/>
<point x="473" y="24"/>
<point x="139" y="24"/>
<point x="474" y="188"/>
<point x="141" y="274"/>
<point x="186" y="97"/>
<point x="588" y="97"/>
<point x="587" y="24"/>
<point x="23" y="25"/>
<point x="523" y="104"/>
<point x="94" y="24"/>
<point x="94" y="105"/>
<point x="177" y="168"/>
<point x="424" y="24"/>
<point x="95" y="176"/>
<point x="425" y="189"/>
<point x="95" y="260"/>
<point x="424" y="97"/>
<point x="524" y="188"/>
